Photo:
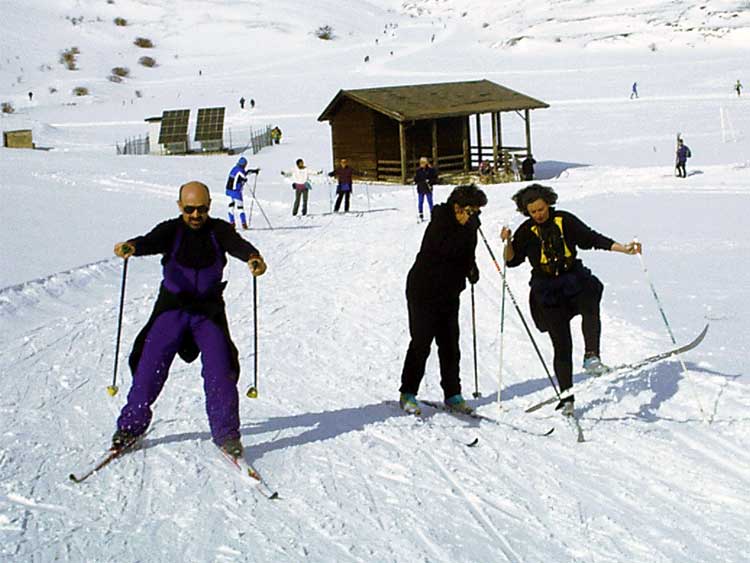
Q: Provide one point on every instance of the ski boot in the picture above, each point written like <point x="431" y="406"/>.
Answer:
<point x="245" y="227"/>
<point x="593" y="365"/>
<point x="566" y="406"/>
<point x="408" y="403"/>
<point x="122" y="439"/>
<point x="456" y="403"/>
<point x="233" y="446"/>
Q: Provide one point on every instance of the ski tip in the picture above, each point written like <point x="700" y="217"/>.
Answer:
<point x="73" y="478"/>
<point x="548" y="432"/>
<point x="473" y="443"/>
<point x="274" y="496"/>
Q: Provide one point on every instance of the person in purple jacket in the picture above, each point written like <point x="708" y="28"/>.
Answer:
<point x="343" y="174"/>
<point x="189" y="317"/>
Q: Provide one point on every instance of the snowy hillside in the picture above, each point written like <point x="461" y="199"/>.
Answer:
<point x="596" y="23"/>
<point x="664" y="474"/>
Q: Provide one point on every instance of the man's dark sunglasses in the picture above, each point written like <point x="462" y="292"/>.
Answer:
<point x="190" y="209"/>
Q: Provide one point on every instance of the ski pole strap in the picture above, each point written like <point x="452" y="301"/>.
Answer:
<point x="520" y="313"/>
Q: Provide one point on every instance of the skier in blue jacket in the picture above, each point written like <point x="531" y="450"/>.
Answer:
<point x="235" y="184"/>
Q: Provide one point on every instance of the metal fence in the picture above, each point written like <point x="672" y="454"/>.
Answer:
<point x="256" y="139"/>
<point x="134" y="145"/>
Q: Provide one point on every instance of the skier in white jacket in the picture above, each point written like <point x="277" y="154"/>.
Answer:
<point x="300" y="184"/>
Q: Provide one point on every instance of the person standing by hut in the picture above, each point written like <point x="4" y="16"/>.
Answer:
<point x="301" y="185"/>
<point x="425" y="178"/>
<point x="343" y="174"/>
<point x="527" y="168"/>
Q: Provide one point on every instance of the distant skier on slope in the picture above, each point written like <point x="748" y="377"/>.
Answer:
<point x="738" y="87"/>
<point x="634" y="91"/>
<point x="433" y="286"/>
<point x="189" y="317"/>
<point x="234" y="188"/>
<point x="561" y="286"/>
<point x="681" y="156"/>
<point x="276" y="135"/>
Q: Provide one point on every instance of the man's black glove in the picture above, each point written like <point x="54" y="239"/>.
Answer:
<point x="473" y="275"/>
<point x="253" y="170"/>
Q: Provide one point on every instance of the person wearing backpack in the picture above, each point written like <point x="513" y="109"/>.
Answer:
<point x="683" y="153"/>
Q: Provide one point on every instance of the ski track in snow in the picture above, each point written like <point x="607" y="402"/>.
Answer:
<point x="354" y="470"/>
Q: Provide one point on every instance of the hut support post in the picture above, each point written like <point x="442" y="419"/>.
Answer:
<point x="479" y="138"/>
<point x="494" y="140"/>
<point x="467" y="145"/>
<point x="434" y="143"/>
<point x="527" y="118"/>
<point x="499" y="132"/>
<point x="402" y="148"/>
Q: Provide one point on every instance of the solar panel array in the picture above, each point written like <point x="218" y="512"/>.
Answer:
<point x="210" y="125"/>
<point x="174" y="126"/>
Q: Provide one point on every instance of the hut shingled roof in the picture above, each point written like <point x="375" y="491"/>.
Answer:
<point x="430" y="101"/>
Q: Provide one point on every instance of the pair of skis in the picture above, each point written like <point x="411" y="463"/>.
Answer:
<point x="238" y="463"/>
<point x="476" y="416"/>
<point x="628" y="367"/>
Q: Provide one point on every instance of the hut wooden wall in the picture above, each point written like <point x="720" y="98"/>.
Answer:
<point x="449" y="137"/>
<point x="387" y="147"/>
<point x="353" y="136"/>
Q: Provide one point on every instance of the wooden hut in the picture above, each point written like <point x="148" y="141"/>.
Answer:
<point x="384" y="131"/>
<point x="18" y="139"/>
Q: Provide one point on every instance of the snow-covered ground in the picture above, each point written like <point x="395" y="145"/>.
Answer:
<point x="665" y="472"/>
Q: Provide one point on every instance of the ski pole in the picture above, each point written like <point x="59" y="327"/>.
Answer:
<point x="112" y="389"/>
<point x="367" y="191"/>
<point x="255" y="199"/>
<point x="252" y="201"/>
<point x="252" y="392"/>
<point x="520" y="314"/>
<point x="502" y="334"/>
<point x="477" y="394"/>
<point x="330" y="195"/>
<point x="666" y="323"/>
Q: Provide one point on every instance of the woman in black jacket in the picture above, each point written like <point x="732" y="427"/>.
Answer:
<point x="433" y="286"/>
<point x="561" y="286"/>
